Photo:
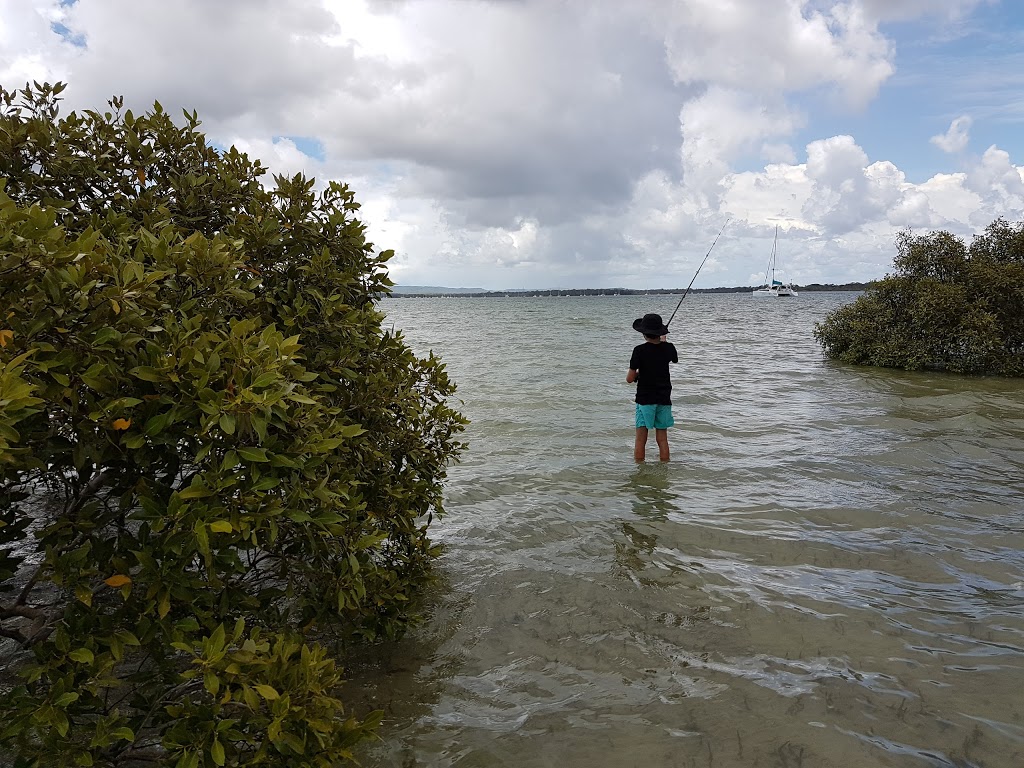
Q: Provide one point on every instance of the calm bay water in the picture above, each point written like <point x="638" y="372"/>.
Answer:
<point x="829" y="572"/>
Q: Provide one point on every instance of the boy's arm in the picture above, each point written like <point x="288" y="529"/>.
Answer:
<point x="634" y="367"/>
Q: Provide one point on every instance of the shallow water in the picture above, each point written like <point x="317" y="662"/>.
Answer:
<point x="829" y="572"/>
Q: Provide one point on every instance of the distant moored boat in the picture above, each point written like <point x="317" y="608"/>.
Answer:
<point x="774" y="288"/>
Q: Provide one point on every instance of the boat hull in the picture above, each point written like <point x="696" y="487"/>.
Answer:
<point x="774" y="293"/>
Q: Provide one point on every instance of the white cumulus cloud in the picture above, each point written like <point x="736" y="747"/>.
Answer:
<point x="956" y="137"/>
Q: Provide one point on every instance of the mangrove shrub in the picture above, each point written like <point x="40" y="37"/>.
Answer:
<point x="214" y="459"/>
<point x="945" y="307"/>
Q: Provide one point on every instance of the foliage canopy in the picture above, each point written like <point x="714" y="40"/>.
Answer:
<point x="946" y="307"/>
<point x="212" y="455"/>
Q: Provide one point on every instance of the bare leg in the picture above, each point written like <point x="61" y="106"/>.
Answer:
<point x="641" y="444"/>
<point x="661" y="435"/>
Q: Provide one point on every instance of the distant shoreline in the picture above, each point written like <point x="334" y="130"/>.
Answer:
<point x="812" y="288"/>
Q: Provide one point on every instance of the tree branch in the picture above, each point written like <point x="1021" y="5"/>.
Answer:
<point x="9" y="612"/>
<point x="15" y="635"/>
<point x="96" y="482"/>
<point x="27" y="589"/>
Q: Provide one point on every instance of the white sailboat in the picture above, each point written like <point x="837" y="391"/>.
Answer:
<point x="774" y="288"/>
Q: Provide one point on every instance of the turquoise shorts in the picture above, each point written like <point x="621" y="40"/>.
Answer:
<point x="654" y="416"/>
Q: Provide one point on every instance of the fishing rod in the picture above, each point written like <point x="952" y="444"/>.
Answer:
<point x="697" y="273"/>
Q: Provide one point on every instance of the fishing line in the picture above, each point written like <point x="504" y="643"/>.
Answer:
<point x="696" y="273"/>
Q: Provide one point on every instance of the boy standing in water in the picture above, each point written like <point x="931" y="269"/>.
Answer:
<point x="648" y="367"/>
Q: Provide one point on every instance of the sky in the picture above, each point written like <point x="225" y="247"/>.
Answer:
<point x="502" y="144"/>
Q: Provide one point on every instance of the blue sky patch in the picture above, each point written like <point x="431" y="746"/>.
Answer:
<point x="307" y="145"/>
<point x="76" y="40"/>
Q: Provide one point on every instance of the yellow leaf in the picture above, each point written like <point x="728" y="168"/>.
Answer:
<point x="141" y="173"/>
<point x="117" y="580"/>
<point x="221" y="526"/>
<point x="115" y="306"/>
<point x="5" y="336"/>
<point x="122" y="423"/>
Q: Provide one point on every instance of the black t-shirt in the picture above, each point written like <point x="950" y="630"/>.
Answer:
<point x="653" y="383"/>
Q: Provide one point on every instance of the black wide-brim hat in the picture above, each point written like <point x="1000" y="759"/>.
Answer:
<point x="650" y="325"/>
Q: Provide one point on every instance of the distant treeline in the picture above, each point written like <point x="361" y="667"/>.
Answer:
<point x="623" y="291"/>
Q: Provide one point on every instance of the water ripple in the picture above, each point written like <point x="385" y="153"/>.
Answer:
<point x="830" y="572"/>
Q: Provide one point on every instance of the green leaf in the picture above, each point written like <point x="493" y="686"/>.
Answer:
<point x="188" y="624"/>
<point x="253" y="454"/>
<point x="268" y="692"/>
<point x="325" y="446"/>
<point x="211" y="682"/>
<point x="94" y="380"/>
<point x="370" y="540"/>
<point x="221" y="526"/>
<point x="157" y="424"/>
<point x="217" y="752"/>
<point x="227" y="423"/>
<point x="202" y="539"/>
<point x="82" y="655"/>
<point x="105" y="335"/>
<point x="123" y="402"/>
<point x="65" y="699"/>
<point x="60" y="722"/>
<point x="266" y="483"/>
<point x="294" y="742"/>
<point x="265" y="380"/>
<point x="250" y="698"/>
<point x="164" y="605"/>
<point x="259" y="424"/>
<point x="195" y="492"/>
<point x="146" y="373"/>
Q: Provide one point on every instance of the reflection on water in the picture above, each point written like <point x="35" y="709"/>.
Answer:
<point x="651" y="489"/>
<point x="830" y="572"/>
